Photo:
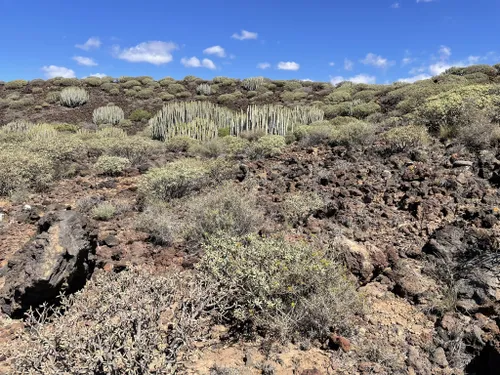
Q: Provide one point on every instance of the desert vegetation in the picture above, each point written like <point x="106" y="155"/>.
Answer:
<point x="350" y="228"/>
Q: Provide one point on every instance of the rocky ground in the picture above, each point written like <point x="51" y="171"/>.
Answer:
<point x="419" y="231"/>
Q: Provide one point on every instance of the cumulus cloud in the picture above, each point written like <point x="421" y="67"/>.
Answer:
<point x="194" y="62"/>
<point x="416" y="78"/>
<point x="444" y="52"/>
<point x="264" y="65"/>
<point x="53" y="71"/>
<point x="348" y="64"/>
<point x="473" y="59"/>
<point x="85" y="61"/>
<point x="154" y="52"/>
<point x="360" y="78"/>
<point x="288" y="65"/>
<point x="92" y="43"/>
<point x="245" y="35"/>
<point x="439" y="67"/>
<point x="215" y="50"/>
<point x="376" y="60"/>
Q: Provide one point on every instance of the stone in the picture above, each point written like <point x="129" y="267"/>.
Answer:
<point x="60" y="258"/>
<point x="363" y="260"/>
<point x="439" y="357"/>
<point x="462" y="163"/>
<point x="338" y="342"/>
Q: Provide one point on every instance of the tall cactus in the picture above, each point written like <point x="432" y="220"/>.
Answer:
<point x="110" y="114"/>
<point x="252" y="83"/>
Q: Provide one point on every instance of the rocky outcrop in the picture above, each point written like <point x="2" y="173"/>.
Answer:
<point x="60" y="258"/>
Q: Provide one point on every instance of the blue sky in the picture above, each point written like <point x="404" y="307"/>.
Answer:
<point x="373" y="41"/>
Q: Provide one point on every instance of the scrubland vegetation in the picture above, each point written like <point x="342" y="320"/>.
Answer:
<point x="184" y="147"/>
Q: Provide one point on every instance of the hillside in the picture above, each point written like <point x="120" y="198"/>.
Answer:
<point x="250" y="226"/>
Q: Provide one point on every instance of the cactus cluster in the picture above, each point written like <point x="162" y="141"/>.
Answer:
<point x="110" y="114"/>
<point x="252" y="83"/>
<point x="182" y="118"/>
<point x="204" y="89"/>
<point x="74" y="97"/>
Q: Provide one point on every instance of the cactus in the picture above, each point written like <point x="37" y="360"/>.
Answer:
<point x="74" y="97"/>
<point x="268" y="118"/>
<point x="204" y="89"/>
<point x="253" y="83"/>
<point x="110" y="114"/>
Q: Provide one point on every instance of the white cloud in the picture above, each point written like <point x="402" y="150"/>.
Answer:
<point x="307" y="80"/>
<point x="418" y="77"/>
<point x="418" y="70"/>
<point x="473" y="59"/>
<point x="264" y="65"/>
<point x="439" y="67"/>
<point x="154" y="52"/>
<point x="245" y="35"/>
<point x="360" y="78"/>
<point x="215" y="50"/>
<point x="53" y="71"/>
<point x="288" y="65"/>
<point x="194" y="62"/>
<point x="407" y="60"/>
<point x="376" y="60"/>
<point x="98" y="75"/>
<point x="90" y="44"/>
<point x="444" y="52"/>
<point x="395" y="6"/>
<point x="348" y="64"/>
<point x="331" y="63"/>
<point x="86" y="61"/>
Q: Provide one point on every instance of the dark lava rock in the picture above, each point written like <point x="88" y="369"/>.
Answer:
<point x="60" y="258"/>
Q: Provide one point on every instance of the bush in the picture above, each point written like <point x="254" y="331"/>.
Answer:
<point x="175" y="88"/>
<point x="361" y="111"/>
<point x="183" y="95"/>
<point x="297" y="207"/>
<point x="65" y="82"/>
<point x="111" y="165"/>
<point x="65" y="128"/>
<point x="92" y="81"/>
<point x="252" y="83"/>
<point x="314" y="134"/>
<point x="104" y="211"/>
<point x="166" y="81"/>
<point x="158" y="223"/>
<point x="145" y="94"/>
<point x="139" y="115"/>
<point x="166" y="97"/>
<point x="26" y="101"/>
<point x="288" y="96"/>
<point x="292" y="86"/>
<point x="285" y="289"/>
<point x="229" y="98"/>
<point x="210" y="149"/>
<point x="268" y="145"/>
<point x="110" y="114"/>
<point x="21" y="168"/>
<point x="338" y="96"/>
<point x="227" y="209"/>
<point x="403" y="138"/>
<point x="176" y="179"/>
<point x="204" y="89"/>
<point x="17" y="84"/>
<point x="53" y="97"/>
<point x="180" y="144"/>
<point x="129" y="84"/>
<point x="132" y="321"/>
<point x="353" y="133"/>
<point x="74" y="97"/>
<point x="108" y="87"/>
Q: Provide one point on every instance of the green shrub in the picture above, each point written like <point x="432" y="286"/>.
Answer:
<point x="183" y="95"/>
<point x="341" y="120"/>
<point x="131" y="83"/>
<point x="65" y="82"/>
<point x="65" y="128"/>
<point x="229" y="98"/>
<point x="354" y="133"/>
<point x="111" y="165"/>
<point x="292" y="86"/>
<point x="332" y="111"/>
<point x="227" y="209"/>
<point x="73" y="97"/>
<point x="108" y="87"/>
<point x="288" y="96"/>
<point x="21" y="168"/>
<point x="297" y="207"/>
<point x="284" y="289"/>
<point x="176" y="179"/>
<point x="110" y="114"/>
<point x="104" y="211"/>
<point x="37" y="82"/>
<point x="180" y="144"/>
<point x="312" y="135"/>
<point x="53" y="97"/>
<point x="166" y="81"/>
<point x="24" y="102"/>
<point x="223" y="132"/>
<point x="145" y="94"/>
<point x="175" y="88"/>
<point x="268" y="145"/>
<point x="403" y="138"/>
<point x="365" y="96"/>
<point x="361" y="111"/>
<point x="338" y="96"/>
<point x="139" y="115"/>
<point x="167" y="97"/>
<point x="115" y="142"/>
<point x="158" y="223"/>
<point x="17" y="84"/>
<point x="92" y="81"/>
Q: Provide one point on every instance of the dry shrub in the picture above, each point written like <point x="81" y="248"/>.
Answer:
<point x="132" y="322"/>
<point x="159" y="224"/>
<point x="299" y="206"/>
<point x="284" y="289"/>
<point x="404" y="138"/>
<point x="228" y="209"/>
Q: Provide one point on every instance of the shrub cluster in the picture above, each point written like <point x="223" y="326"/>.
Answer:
<point x="73" y="97"/>
<point x="111" y="165"/>
<point x="110" y="114"/>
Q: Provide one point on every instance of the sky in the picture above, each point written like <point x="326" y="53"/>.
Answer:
<point x="364" y="41"/>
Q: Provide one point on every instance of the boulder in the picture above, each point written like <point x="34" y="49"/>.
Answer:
<point x="363" y="261"/>
<point x="60" y="258"/>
